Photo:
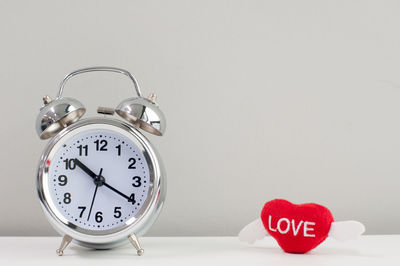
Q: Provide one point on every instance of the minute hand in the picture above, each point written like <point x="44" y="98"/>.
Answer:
<point x="117" y="191"/>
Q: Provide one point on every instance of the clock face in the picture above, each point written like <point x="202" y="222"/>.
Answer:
<point x="98" y="179"/>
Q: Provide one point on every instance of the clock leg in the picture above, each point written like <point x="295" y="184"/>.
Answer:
<point x="64" y="243"/>
<point x="135" y="242"/>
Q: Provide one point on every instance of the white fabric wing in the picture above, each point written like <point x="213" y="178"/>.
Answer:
<point x="346" y="230"/>
<point x="252" y="232"/>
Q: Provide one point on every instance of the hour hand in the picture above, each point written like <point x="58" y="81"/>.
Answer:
<point x="85" y="168"/>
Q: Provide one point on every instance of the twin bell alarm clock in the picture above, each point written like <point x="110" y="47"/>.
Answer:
<point x="100" y="181"/>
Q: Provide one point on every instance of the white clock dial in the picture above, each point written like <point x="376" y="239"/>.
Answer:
<point x="98" y="179"/>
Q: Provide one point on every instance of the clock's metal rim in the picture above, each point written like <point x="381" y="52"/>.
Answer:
<point x="146" y="216"/>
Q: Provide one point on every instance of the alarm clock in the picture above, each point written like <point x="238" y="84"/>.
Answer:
<point x="100" y="181"/>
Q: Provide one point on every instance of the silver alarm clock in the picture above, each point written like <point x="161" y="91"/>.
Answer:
<point x="99" y="180"/>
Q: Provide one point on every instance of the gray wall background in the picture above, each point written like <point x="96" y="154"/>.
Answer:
<point x="264" y="99"/>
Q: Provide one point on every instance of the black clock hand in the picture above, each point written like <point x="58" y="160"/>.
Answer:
<point x="94" y="195"/>
<point x="93" y="175"/>
<point x="117" y="191"/>
<point x="85" y="169"/>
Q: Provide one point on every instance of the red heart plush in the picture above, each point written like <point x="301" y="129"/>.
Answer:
<point x="298" y="228"/>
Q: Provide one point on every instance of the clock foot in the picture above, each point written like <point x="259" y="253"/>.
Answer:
<point x="135" y="242"/>
<point x="64" y="243"/>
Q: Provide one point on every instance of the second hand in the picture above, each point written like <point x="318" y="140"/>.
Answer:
<point x="94" y="195"/>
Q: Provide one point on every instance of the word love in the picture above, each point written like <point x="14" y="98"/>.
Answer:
<point x="285" y="226"/>
<point x="297" y="228"/>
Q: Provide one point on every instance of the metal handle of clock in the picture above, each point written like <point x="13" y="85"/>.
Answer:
<point x="95" y="69"/>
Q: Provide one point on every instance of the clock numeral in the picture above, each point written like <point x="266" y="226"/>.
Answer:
<point x="69" y="164"/>
<point x="99" y="217"/>
<point x="82" y="208"/>
<point x="101" y="145"/>
<point x="119" y="149"/>
<point x="117" y="212"/>
<point x="67" y="198"/>
<point x="137" y="180"/>
<point x="62" y="180"/>
<point x="83" y="149"/>
<point x="132" y="161"/>
<point x="132" y="198"/>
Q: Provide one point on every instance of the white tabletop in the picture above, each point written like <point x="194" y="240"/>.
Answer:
<point x="369" y="250"/>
